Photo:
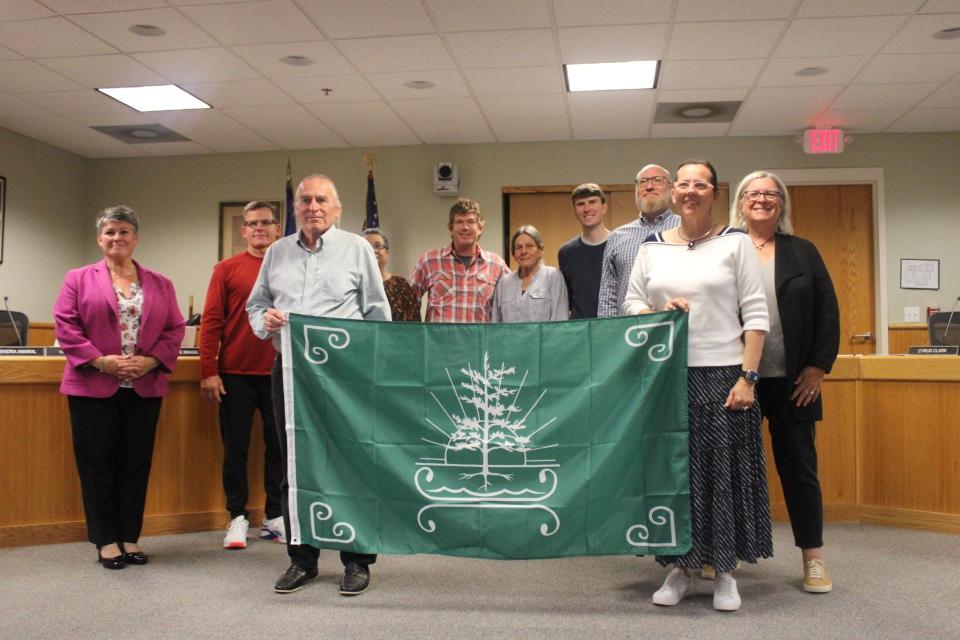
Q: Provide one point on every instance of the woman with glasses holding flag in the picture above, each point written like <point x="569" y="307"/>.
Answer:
<point x="799" y="350"/>
<point x="712" y="273"/>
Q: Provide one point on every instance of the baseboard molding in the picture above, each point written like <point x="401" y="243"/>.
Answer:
<point x="153" y="525"/>
<point x="911" y="519"/>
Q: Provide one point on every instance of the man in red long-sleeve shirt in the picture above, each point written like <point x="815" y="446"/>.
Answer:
<point x="235" y="372"/>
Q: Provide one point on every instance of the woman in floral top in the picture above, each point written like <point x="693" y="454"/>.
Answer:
<point x="120" y="329"/>
<point x="403" y="304"/>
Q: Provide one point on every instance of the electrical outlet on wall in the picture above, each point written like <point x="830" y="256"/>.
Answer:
<point x="911" y="314"/>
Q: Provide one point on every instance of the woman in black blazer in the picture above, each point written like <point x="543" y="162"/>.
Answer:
<point x="799" y="350"/>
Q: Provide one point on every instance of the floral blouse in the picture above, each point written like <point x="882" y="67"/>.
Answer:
<point x="404" y="306"/>
<point x="130" y="311"/>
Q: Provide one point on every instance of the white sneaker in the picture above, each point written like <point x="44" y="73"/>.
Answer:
<point x="273" y="529"/>
<point x="236" y="537"/>
<point x="725" y="594"/>
<point x="674" y="588"/>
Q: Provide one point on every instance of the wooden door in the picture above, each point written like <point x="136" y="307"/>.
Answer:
<point x="838" y="219"/>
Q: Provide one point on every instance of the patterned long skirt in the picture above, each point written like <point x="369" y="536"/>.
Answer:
<point x="730" y="506"/>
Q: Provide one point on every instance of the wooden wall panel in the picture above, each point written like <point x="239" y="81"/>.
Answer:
<point x="901" y="336"/>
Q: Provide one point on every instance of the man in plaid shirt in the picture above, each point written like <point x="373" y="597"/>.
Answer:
<point x="459" y="278"/>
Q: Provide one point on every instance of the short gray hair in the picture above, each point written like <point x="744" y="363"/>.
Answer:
<point x="530" y="230"/>
<point x="736" y="216"/>
<point x="119" y="213"/>
<point x="320" y="176"/>
<point x="260" y="204"/>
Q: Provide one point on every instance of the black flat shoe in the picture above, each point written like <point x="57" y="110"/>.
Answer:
<point x="116" y="562"/>
<point x="135" y="557"/>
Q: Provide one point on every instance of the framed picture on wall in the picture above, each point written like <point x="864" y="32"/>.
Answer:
<point x="231" y="221"/>
<point x="3" y="209"/>
<point x="916" y="273"/>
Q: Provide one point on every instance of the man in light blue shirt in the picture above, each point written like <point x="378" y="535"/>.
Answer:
<point x="653" y="202"/>
<point x="319" y="271"/>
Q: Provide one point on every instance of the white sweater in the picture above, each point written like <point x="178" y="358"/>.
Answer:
<point x="722" y="280"/>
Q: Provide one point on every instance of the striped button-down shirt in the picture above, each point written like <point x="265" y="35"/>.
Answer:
<point x="622" y="247"/>
<point x="457" y="293"/>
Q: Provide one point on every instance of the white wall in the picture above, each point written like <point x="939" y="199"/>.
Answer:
<point x="178" y="197"/>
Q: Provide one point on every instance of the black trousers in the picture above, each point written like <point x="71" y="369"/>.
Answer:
<point x="113" y="446"/>
<point x="246" y="394"/>
<point x="795" y="454"/>
<point x="302" y="555"/>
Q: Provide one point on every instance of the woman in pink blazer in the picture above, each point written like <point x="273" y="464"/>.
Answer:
<point x="120" y="329"/>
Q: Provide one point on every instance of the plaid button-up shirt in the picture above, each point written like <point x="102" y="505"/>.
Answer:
<point x="457" y="293"/>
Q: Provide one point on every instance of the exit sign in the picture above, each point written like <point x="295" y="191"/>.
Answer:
<point x="816" y="141"/>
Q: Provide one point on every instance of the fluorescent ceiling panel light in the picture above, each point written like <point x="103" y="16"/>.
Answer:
<point x="165" y="97"/>
<point x="610" y="76"/>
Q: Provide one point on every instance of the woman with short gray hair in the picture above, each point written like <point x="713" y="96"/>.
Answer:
<point x="534" y="292"/>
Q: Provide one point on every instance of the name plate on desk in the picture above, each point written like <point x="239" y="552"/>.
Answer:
<point x="948" y="350"/>
<point x="189" y="351"/>
<point x="22" y="351"/>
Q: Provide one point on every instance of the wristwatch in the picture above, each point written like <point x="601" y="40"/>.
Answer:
<point x="750" y="376"/>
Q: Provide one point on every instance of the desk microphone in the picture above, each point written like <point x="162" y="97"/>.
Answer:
<point x="950" y="320"/>
<point x="6" y="304"/>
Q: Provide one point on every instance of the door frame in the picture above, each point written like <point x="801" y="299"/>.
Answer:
<point x="858" y="175"/>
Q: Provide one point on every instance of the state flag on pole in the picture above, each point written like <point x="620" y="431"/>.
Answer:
<point x="290" y="220"/>
<point x="527" y="440"/>
<point x="372" y="221"/>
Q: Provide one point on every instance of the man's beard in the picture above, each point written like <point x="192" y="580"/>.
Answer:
<point x="650" y="204"/>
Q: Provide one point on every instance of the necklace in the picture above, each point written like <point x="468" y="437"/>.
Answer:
<point x="117" y="276"/>
<point x="692" y="242"/>
<point x="762" y="244"/>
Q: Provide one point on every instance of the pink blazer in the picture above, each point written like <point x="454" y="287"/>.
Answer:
<point x="87" y="319"/>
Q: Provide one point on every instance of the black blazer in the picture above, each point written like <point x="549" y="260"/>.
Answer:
<point x="809" y="315"/>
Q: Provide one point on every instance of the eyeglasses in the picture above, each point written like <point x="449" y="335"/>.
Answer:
<point x="657" y="181"/>
<point x="699" y="187"/>
<point x="762" y="195"/>
<point x="252" y="224"/>
<point x="378" y="245"/>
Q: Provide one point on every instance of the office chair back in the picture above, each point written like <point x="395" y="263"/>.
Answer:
<point x="8" y="336"/>
<point x="943" y="330"/>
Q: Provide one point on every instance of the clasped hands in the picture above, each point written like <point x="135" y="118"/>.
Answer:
<point x="127" y="367"/>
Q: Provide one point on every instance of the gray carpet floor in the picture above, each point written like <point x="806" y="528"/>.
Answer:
<point x="889" y="583"/>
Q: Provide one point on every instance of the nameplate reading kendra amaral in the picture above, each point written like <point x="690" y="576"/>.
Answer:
<point x="945" y="350"/>
<point x="22" y="351"/>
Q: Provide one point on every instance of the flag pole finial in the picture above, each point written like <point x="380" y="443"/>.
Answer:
<point x="370" y="159"/>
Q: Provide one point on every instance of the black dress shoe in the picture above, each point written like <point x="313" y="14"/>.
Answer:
<point x="356" y="579"/>
<point x="136" y="557"/>
<point x="111" y="563"/>
<point x="294" y="578"/>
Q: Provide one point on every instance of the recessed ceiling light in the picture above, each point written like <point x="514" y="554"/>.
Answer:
<point x="419" y="84"/>
<point x="811" y="71"/>
<point x="149" y="30"/>
<point x="166" y="97"/>
<point x="144" y="134"/>
<point x="947" y="34"/>
<point x="697" y="112"/>
<point x="296" y="60"/>
<point x="611" y="76"/>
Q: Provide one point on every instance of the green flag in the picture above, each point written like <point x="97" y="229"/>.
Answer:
<point x="518" y="440"/>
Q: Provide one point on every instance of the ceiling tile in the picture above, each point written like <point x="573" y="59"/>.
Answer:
<point x="724" y="40"/>
<point x="254" y="22"/>
<point x="470" y="15"/>
<point x="702" y="95"/>
<point x="352" y="88"/>
<point x="610" y="114"/>
<point x="515" y="81"/>
<point x="398" y="53"/>
<point x="49" y="37"/>
<point x="22" y="76"/>
<point x="114" y="28"/>
<point x="379" y="134"/>
<point x="699" y="10"/>
<point x="527" y="107"/>
<point x="837" y="36"/>
<point x="769" y="124"/>
<point x="945" y="97"/>
<point x="447" y="84"/>
<point x="354" y="114"/>
<point x="23" y="10"/>
<point x="531" y="129"/>
<point x="612" y="44"/>
<point x="941" y="6"/>
<point x="14" y="108"/>
<point x="917" y="35"/>
<point x="289" y="126"/>
<point x="7" y="54"/>
<point x="187" y="148"/>
<point x="503" y="48"/>
<point x="266" y="59"/>
<point x="920" y="120"/>
<point x="465" y="132"/>
<point x="576" y="13"/>
<point x="68" y="7"/>
<point x="63" y="133"/>
<point x="709" y="74"/>
<point x="417" y="112"/>
<point x="859" y="120"/>
<point x="88" y="107"/>
<point x="215" y="130"/>
<point x="105" y="71"/>
<point x="882" y="96"/>
<point x="241" y="93"/>
<point x="364" y="18"/>
<point x="805" y="101"/>
<point x="832" y="8"/>
<point x="197" y="65"/>
<point x="780" y="72"/>
<point x="692" y="130"/>
<point x="910" y="68"/>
